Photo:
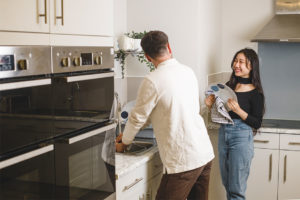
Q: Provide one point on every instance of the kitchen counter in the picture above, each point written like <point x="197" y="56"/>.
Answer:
<point x="271" y="126"/>
<point x="127" y="162"/>
<point x="280" y="126"/>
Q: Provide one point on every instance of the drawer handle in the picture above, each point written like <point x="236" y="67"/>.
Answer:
<point x="262" y="141"/>
<point x="294" y="143"/>
<point x="132" y="184"/>
<point x="270" y="167"/>
<point x="285" y="170"/>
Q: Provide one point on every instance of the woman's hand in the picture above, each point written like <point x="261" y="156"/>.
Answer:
<point x="210" y="100"/>
<point x="235" y="107"/>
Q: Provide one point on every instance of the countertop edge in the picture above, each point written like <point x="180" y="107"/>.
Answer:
<point x="126" y="163"/>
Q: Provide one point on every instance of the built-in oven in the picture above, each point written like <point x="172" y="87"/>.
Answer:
<point x="55" y="105"/>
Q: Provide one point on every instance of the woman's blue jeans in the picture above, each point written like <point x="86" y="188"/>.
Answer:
<point x="235" y="154"/>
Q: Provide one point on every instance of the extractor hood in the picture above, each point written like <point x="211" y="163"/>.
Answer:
<point x="284" y="26"/>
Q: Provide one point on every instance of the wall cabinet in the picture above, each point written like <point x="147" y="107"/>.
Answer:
<point x="275" y="168"/>
<point x="80" y="17"/>
<point x="141" y="183"/>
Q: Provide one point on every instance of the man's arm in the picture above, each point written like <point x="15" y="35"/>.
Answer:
<point x="146" y="101"/>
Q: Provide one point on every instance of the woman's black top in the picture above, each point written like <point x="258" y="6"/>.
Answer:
<point x="251" y="102"/>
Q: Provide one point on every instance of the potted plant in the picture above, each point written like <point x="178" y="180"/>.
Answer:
<point x="132" y="47"/>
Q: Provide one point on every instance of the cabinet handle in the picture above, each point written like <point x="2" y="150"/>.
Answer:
<point x="42" y="15"/>
<point x="294" y="143"/>
<point x="132" y="184"/>
<point x="261" y="141"/>
<point x="284" y="170"/>
<point x="270" y="167"/>
<point x="62" y="12"/>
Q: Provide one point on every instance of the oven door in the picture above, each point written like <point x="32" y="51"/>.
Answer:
<point x="83" y="165"/>
<point x="82" y="102"/>
<point x="29" y="175"/>
<point x="22" y="122"/>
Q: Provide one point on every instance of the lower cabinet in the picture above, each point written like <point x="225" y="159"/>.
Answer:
<point x="263" y="178"/>
<point x="275" y="173"/>
<point x="289" y="175"/>
<point x="141" y="183"/>
<point x="275" y="168"/>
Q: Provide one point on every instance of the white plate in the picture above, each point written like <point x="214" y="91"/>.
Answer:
<point x="221" y="90"/>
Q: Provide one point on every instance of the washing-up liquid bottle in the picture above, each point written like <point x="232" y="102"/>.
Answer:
<point x="126" y="110"/>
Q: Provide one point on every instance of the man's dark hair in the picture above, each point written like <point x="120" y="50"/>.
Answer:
<point x="155" y="43"/>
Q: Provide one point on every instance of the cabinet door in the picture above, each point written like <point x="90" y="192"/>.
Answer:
<point x="82" y="17"/>
<point x="20" y="15"/>
<point x="289" y="176"/>
<point x="263" y="178"/>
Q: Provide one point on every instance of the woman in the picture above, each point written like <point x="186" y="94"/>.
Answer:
<point x="236" y="141"/>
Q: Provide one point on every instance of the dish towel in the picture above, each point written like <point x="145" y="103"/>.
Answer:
<point x="219" y="113"/>
<point x="108" y="148"/>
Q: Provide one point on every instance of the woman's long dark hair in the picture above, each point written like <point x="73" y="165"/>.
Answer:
<point x="252" y="59"/>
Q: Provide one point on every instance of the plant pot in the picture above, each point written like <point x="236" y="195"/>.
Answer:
<point x="126" y="43"/>
<point x="137" y="44"/>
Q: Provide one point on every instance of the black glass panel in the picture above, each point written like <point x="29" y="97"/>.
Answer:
<point x="30" y="179"/>
<point x="21" y="123"/>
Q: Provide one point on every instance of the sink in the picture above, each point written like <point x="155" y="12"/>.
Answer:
<point x="139" y="147"/>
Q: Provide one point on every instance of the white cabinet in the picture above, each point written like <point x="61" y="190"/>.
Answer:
<point x="141" y="183"/>
<point x="24" y="16"/>
<point x="289" y="167"/>
<point x="263" y="178"/>
<point x="80" y="17"/>
<point x="275" y="167"/>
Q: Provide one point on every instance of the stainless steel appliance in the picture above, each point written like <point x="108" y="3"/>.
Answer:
<point x="284" y="26"/>
<point x="55" y="104"/>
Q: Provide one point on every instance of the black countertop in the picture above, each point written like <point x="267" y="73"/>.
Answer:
<point x="279" y="123"/>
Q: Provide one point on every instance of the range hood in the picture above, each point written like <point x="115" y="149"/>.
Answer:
<point x="284" y="26"/>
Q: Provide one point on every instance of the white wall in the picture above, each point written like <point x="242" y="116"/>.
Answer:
<point x="241" y="21"/>
<point x="120" y="27"/>
<point x="193" y="27"/>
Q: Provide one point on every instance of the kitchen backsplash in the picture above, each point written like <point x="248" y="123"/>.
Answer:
<point x="280" y="71"/>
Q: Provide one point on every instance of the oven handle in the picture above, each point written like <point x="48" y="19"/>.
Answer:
<point x="88" y="77"/>
<point x="24" y="84"/>
<point x="26" y="156"/>
<point x="89" y="134"/>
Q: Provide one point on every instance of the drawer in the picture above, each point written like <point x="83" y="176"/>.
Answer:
<point x="127" y="184"/>
<point x="266" y="140"/>
<point x="290" y="142"/>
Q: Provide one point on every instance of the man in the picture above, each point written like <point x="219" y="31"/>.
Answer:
<point x="169" y="99"/>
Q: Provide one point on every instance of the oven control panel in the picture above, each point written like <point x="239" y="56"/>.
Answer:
<point x="17" y="61"/>
<point x="7" y="63"/>
<point x="70" y="59"/>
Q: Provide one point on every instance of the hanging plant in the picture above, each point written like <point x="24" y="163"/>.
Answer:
<point x="121" y="54"/>
<point x="141" y="57"/>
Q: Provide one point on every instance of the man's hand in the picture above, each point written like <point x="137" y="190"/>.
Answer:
<point x="120" y="147"/>
<point x="119" y="138"/>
